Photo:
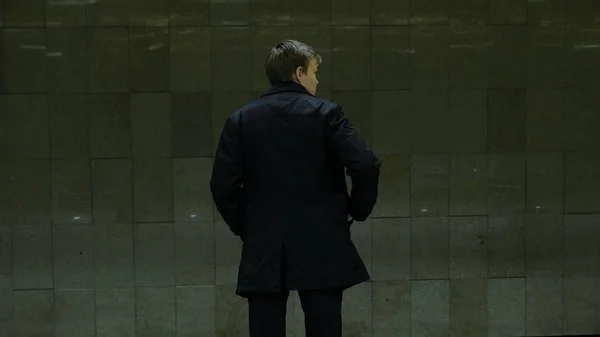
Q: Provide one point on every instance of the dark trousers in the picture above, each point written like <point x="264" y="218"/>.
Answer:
<point x="322" y="313"/>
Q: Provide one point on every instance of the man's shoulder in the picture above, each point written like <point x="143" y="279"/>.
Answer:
<point x="308" y="101"/>
<point x="327" y="104"/>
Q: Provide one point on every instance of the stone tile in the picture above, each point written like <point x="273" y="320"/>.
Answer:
<point x="350" y="58"/>
<point x="231" y="313"/>
<point x="61" y="14"/>
<point x="155" y="312"/>
<point x="110" y="126"/>
<point x="24" y="129"/>
<point x="28" y="13"/>
<point x="24" y="58"/>
<point x="581" y="12"/>
<point x="507" y="12"/>
<point x="189" y="13"/>
<point x="149" y="52"/>
<point x="507" y="112"/>
<point x="546" y="57"/>
<point x="582" y="183"/>
<point x="507" y="179"/>
<point x="112" y="191"/>
<point x="429" y="185"/>
<point x="228" y="253"/>
<point x="299" y="321"/>
<point x="194" y="254"/>
<point x="430" y="302"/>
<point x="75" y="313"/>
<point x="545" y="120"/>
<point x="469" y="185"/>
<point x="429" y="120"/>
<point x="151" y="125"/>
<point x="429" y="249"/>
<point x="6" y="313"/>
<point x="582" y="252"/>
<point x="32" y="257"/>
<point x="391" y="309"/>
<point x="391" y="251"/>
<point x="394" y="182"/>
<point x="226" y="13"/>
<point x="69" y="132"/>
<point x="426" y="12"/>
<point x="67" y="60"/>
<point x="581" y="69"/>
<point x="506" y="246"/>
<point x="391" y="122"/>
<point x="108" y="49"/>
<point x="191" y="188"/>
<point x="357" y="107"/>
<point x="350" y="12"/>
<point x="107" y="13"/>
<point x="544" y="245"/>
<point x="357" y="310"/>
<point x="153" y="190"/>
<point x="196" y="311"/>
<point x="429" y="57"/>
<point x="34" y="313"/>
<point x="324" y="95"/>
<point x="508" y="56"/>
<point x="468" y="54"/>
<point x="581" y="305"/>
<point x="546" y="13"/>
<point x="390" y="56"/>
<point x="228" y="59"/>
<point x="113" y="256"/>
<point x="303" y="13"/>
<point x="192" y="124"/>
<point x="290" y="319"/>
<point x="269" y="12"/>
<point x="154" y="254"/>
<point x="190" y="56"/>
<point x="544" y="303"/>
<point x="115" y="312"/>
<point x="468" y="247"/>
<point x="468" y="121"/>
<point x="545" y="183"/>
<point x="73" y="257"/>
<point x="25" y="198"/>
<point x="506" y="307"/>
<point x="6" y="260"/>
<point x="582" y="130"/>
<point x="148" y="13"/>
<point x="390" y="13"/>
<point x="468" y="308"/>
<point x="469" y="12"/>
<point x="71" y="191"/>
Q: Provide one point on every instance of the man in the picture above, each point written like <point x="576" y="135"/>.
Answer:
<point x="278" y="181"/>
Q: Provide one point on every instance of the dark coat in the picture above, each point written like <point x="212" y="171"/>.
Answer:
<point x="279" y="183"/>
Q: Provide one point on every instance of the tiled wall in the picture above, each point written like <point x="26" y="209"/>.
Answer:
<point x="486" y="114"/>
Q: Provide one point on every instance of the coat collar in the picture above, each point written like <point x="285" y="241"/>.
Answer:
<point x="286" y="87"/>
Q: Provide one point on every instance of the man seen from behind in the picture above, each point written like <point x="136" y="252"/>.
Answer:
<point x="279" y="183"/>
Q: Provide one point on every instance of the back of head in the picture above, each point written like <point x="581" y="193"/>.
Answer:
<point x="286" y="57"/>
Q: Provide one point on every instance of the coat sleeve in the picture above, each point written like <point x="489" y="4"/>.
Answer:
<point x="360" y="162"/>
<point x="226" y="181"/>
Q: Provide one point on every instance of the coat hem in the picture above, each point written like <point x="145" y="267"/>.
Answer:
<point x="246" y="292"/>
